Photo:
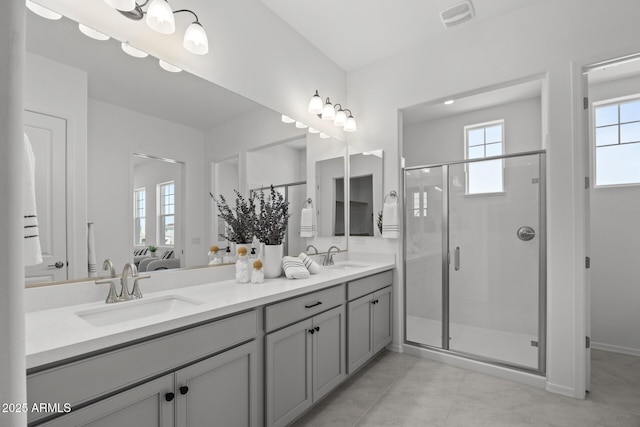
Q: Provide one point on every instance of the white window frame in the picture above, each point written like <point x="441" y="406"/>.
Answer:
<point x="160" y="234"/>
<point x="483" y="125"/>
<point x="135" y="214"/>
<point x="592" y="131"/>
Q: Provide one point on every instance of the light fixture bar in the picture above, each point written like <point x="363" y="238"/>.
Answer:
<point x="42" y="11"/>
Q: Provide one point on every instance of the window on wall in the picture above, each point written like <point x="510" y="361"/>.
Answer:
<point x="484" y="140"/>
<point x="167" y="215"/>
<point x="617" y="142"/>
<point x="419" y="204"/>
<point x="139" y="216"/>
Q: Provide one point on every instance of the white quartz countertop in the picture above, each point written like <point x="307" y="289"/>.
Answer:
<point x="56" y="334"/>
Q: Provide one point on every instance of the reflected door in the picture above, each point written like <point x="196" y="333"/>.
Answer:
<point x="48" y="140"/>
<point x="494" y="244"/>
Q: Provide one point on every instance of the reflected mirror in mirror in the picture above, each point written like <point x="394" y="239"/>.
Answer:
<point x="105" y="106"/>
<point x="330" y="197"/>
<point x="365" y="192"/>
<point x="226" y="179"/>
<point x="157" y="219"/>
<point x="265" y="168"/>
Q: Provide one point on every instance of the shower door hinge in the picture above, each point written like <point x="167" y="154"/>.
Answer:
<point x="587" y="262"/>
<point x="587" y="342"/>
<point x="585" y="102"/>
<point x="534" y="343"/>
<point x="586" y="183"/>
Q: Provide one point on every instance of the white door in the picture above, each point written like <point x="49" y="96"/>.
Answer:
<point x="586" y="128"/>
<point x="48" y="137"/>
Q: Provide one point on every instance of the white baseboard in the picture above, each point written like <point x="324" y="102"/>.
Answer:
<point x="615" y="348"/>
<point x="560" y="389"/>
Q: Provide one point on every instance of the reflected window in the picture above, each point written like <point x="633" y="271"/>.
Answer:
<point x="139" y="216"/>
<point x="481" y="141"/>
<point x="167" y="213"/>
<point x="419" y="204"/>
<point x="617" y="142"/>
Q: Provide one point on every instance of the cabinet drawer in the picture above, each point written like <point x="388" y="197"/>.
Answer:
<point x="369" y="284"/>
<point x="290" y="311"/>
<point x="90" y="378"/>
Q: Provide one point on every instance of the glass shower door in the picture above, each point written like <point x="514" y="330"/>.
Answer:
<point x="494" y="243"/>
<point x="423" y="209"/>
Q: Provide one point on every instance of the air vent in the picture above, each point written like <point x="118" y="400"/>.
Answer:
<point x="457" y="14"/>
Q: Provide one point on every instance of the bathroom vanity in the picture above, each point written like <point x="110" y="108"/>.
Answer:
<point x="239" y="354"/>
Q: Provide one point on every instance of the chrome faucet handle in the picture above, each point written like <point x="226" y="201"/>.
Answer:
<point x="111" y="297"/>
<point x="125" y="295"/>
<point x="108" y="265"/>
<point x="136" y="292"/>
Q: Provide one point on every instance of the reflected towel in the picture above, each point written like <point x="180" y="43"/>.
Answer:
<point x="294" y="268"/>
<point x="32" y="250"/>
<point x="91" y="251"/>
<point x="390" y="221"/>
<point x="307" y="223"/>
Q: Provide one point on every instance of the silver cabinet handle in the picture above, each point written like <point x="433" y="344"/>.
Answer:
<point x="456" y="261"/>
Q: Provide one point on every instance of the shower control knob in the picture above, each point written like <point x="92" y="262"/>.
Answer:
<point x="526" y="233"/>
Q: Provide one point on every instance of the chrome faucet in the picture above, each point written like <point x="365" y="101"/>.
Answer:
<point x="108" y="265"/>
<point x="111" y="296"/>
<point x="328" y="259"/>
<point x="310" y="247"/>
<point x="124" y="280"/>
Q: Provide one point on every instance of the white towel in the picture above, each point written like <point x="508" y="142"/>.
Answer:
<point x="294" y="268"/>
<point x="32" y="250"/>
<point x="91" y="251"/>
<point x="311" y="265"/>
<point x="390" y="222"/>
<point x="307" y="223"/>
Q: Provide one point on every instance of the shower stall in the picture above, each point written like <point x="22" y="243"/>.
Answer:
<point x="474" y="259"/>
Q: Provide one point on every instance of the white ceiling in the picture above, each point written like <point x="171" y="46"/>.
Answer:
<point x="354" y="33"/>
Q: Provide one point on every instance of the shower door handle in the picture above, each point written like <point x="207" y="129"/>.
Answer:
<point x="456" y="259"/>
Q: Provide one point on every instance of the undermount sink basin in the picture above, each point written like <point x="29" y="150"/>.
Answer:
<point x="347" y="265"/>
<point x="131" y="310"/>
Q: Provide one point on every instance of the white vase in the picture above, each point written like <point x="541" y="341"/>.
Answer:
<point x="272" y="260"/>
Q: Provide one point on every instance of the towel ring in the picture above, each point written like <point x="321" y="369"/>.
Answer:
<point x="307" y="203"/>
<point x="392" y="194"/>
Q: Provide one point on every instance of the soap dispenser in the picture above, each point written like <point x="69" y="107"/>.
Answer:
<point x="228" y="258"/>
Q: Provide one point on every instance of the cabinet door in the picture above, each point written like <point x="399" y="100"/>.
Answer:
<point x="382" y="333"/>
<point x="329" y="354"/>
<point x="148" y="405"/>
<point x="360" y="332"/>
<point x="288" y="373"/>
<point x="219" y="391"/>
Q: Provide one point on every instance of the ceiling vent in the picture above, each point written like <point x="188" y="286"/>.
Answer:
<point x="457" y="14"/>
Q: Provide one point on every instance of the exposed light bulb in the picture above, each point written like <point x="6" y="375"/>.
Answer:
<point x="301" y="125"/>
<point x="312" y="130"/>
<point x="160" y="17"/>
<point x="94" y="34"/>
<point x="341" y="118"/>
<point x="315" y="105"/>
<point x="123" y="5"/>
<point x="287" y="119"/>
<point x="195" y="39"/>
<point x="350" y="124"/>
<point x="169" y="67"/>
<point x="324" y="135"/>
<point x="328" y="112"/>
<point x="43" y="11"/>
<point x="135" y="52"/>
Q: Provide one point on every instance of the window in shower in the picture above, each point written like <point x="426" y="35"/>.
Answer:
<point x="481" y="141"/>
<point x="617" y="142"/>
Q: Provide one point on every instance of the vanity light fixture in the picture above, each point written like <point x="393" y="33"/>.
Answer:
<point x="449" y="102"/>
<point x="169" y="67"/>
<point x="312" y="130"/>
<point x="43" y="11"/>
<point x="301" y="125"/>
<point x="350" y="124"/>
<point x="135" y="52"/>
<point x="315" y="105"/>
<point x="328" y="112"/>
<point x="341" y="116"/>
<point x="160" y="18"/>
<point x="324" y="135"/>
<point x="287" y="119"/>
<point x="94" y="34"/>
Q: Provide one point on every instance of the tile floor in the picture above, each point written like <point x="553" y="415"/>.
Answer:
<point x="402" y="390"/>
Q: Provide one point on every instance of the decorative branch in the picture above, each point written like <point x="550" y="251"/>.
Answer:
<point x="273" y="218"/>
<point x="240" y="221"/>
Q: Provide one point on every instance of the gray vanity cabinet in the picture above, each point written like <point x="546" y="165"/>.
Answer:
<point x="144" y="406"/>
<point x="304" y="361"/>
<point x="369" y="326"/>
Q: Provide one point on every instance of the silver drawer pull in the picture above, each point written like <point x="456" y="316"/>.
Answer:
<point x="313" y="305"/>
